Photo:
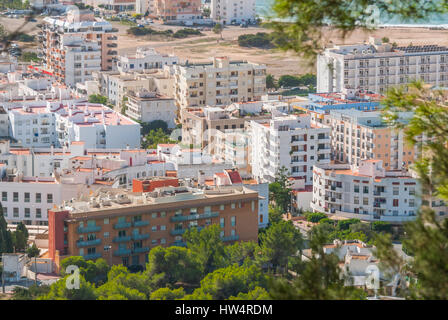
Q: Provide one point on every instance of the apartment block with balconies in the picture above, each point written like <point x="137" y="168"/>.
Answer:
<point x="362" y="135"/>
<point x="288" y="141"/>
<point x="76" y="46"/>
<point x="367" y="192"/>
<point x="122" y="227"/>
<point x="220" y="83"/>
<point x="377" y="66"/>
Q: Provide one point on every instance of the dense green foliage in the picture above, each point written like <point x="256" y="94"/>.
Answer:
<point x="280" y="242"/>
<point x="97" y="98"/>
<point x="259" y="40"/>
<point x="179" y="34"/>
<point x="427" y="237"/>
<point x="307" y="18"/>
<point x="6" y="243"/>
<point x="153" y="125"/>
<point x="155" y="137"/>
<point x="28" y="56"/>
<point x="320" y="278"/>
<point x="308" y="79"/>
<point x="280" y="190"/>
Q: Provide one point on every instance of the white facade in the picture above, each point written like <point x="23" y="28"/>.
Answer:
<point x="220" y="83"/>
<point x="367" y="192"/>
<point x="144" y="59"/>
<point x="291" y="142"/>
<point x="43" y="124"/>
<point x="147" y="107"/>
<point x="236" y="11"/>
<point x="377" y="66"/>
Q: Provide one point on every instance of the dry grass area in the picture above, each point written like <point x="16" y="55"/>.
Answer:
<point x="202" y="48"/>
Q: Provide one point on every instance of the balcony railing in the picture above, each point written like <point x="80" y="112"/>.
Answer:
<point x="140" y="250"/>
<point x="122" y="239"/>
<point x="122" y="225"/>
<point x="89" y="229"/>
<point x="194" y="217"/>
<point x="141" y="223"/>
<point x="140" y="236"/>
<point x="88" y="243"/>
<point x="91" y="256"/>
<point x="179" y="243"/>
<point x="175" y="232"/>
<point x="122" y="252"/>
<point x="231" y="238"/>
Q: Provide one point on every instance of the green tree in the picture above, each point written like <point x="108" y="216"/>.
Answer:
<point x="280" y="241"/>
<point x="155" y="137"/>
<point x="242" y="252"/>
<point x="307" y="19"/>
<point x="124" y="285"/>
<point x="93" y="272"/>
<point x="320" y="278"/>
<point x="258" y="293"/>
<point x="271" y="82"/>
<point x="315" y="216"/>
<point x="153" y="125"/>
<point x="280" y="190"/>
<point x="426" y="237"/>
<point x="20" y="237"/>
<point x="168" y="294"/>
<point x="6" y="244"/>
<point x="177" y="264"/>
<point x="218" y="28"/>
<point x="207" y="246"/>
<point x="59" y="291"/>
<point x="227" y="282"/>
<point x="97" y="98"/>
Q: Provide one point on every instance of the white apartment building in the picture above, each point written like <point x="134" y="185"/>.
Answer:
<point x="74" y="47"/>
<point x="376" y="66"/>
<point x="28" y="199"/>
<point x="148" y="106"/>
<point x="45" y="123"/>
<point x="233" y="11"/>
<point x="288" y="141"/>
<point x="144" y="59"/>
<point x="367" y="192"/>
<point x="220" y="83"/>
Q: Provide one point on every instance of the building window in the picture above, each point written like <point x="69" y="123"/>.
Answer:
<point x="233" y="221"/>
<point x="366" y="189"/>
<point x="5" y="211"/>
<point x="395" y="203"/>
<point x="106" y="235"/>
<point x="221" y="222"/>
<point x="106" y="221"/>
<point x="4" y="196"/>
<point x="356" y="188"/>
<point x="221" y="207"/>
<point x="15" y="197"/>
<point x="38" y="213"/>
<point x="49" y="198"/>
<point x="27" y="197"/>
<point x="27" y="212"/>
<point x="15" y="212"/>
<point x="396" y="191"/>
<point x="232" y="205"/>
<point x="38" y="198"/>
<point x="365" y="201"/>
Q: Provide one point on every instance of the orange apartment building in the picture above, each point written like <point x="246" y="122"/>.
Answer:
<point x="122" y="226"/>
<point x="171" y="10"/>
<point x="362" y="135"/>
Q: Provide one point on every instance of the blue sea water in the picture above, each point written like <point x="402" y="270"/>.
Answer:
<point x="264" y="5"/>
